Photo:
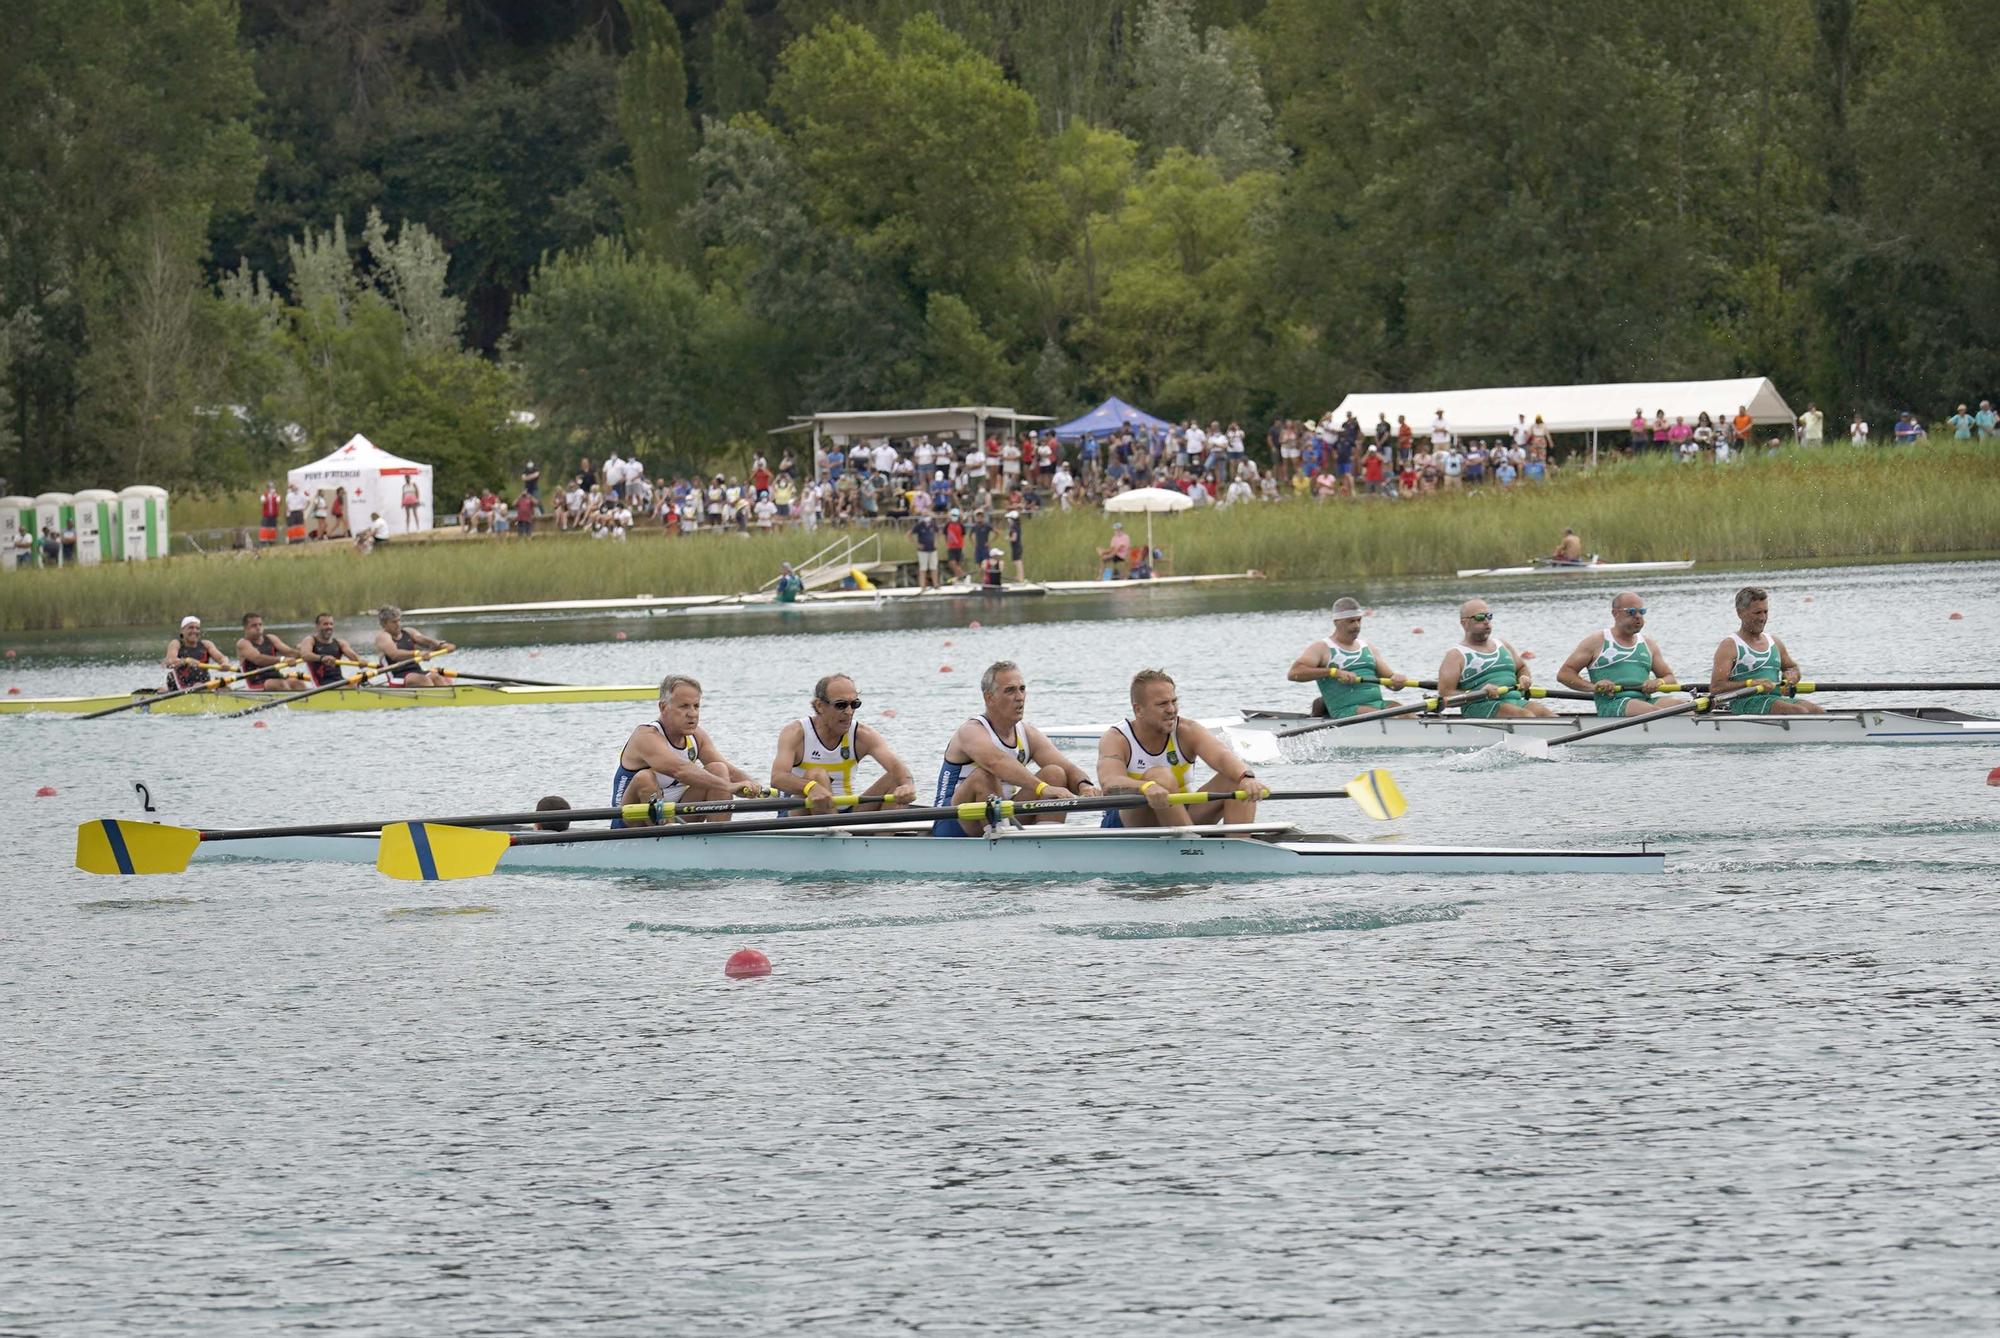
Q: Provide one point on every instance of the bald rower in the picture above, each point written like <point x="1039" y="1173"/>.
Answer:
<point x="1344" y="667"/>
<point x="673" y="759"/>
<point x="1482" y="663"/>
<point x="1152" y="754"/>
<point x="1752" y="656"/>
<point x="998" y="754"/>
<point x="818" y="752"/>
<point x="1621" y="666"/>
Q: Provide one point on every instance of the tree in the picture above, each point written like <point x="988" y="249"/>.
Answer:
<point x="1199" y="92"/>
<point x="652" y="110"/>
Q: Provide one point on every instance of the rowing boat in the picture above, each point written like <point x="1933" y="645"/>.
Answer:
<point x="1258" y="736"/>
<point x="1550" y="567"/>
<point x="365" y="698"/>
<point x="906" y="851"/>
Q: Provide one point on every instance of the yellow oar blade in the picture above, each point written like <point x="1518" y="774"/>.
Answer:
<point x="1377" y="795"/>
<point x="108" y="845"/>
<point x="429" y="851"/>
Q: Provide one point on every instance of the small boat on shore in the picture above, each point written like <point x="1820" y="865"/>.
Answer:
<point x="1554" y="567"/>
<point x="907" y="851"/>
<point x="1259" y="736"/>
<point x="364" y="698"/>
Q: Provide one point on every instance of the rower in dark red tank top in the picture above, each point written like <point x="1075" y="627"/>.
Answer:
<point x="270" y="657"/>
<point x="325" y="652"/>
<point x="190" y="657"/>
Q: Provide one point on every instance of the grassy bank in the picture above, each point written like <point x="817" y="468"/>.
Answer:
<point x="1828" y="504"/>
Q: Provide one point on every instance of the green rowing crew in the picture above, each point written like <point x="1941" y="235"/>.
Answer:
<point x="1348" y="671"/>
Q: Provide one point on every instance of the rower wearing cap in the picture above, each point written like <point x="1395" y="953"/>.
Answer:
<point x="1751" y="656"/>
<point x="673" y="759"/>
<point x="998" y="754"/>
<point x="190" y="657"/>
<point x="1152" y="753"/>
<point x="1621" y="666"/>
<point x="398" y="645"/>
<point x="326" y="652"/>
<point x="817" y="753"/>
<point x="1482" y="663"/>
<point x="1348" y="671"/>
<point x="262" y="651"/>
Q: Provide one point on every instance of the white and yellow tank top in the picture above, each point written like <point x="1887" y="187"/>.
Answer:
<point x="672" y="790"/>
<point x="1141" y="760"/>
<point x="837" y="759"/>
<point x="1019" y="747"/>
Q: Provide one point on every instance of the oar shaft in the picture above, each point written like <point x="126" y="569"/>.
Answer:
<point x="216" y="684"/>
<point x="648" y="812"/>
<point x="354" y="682"/>
<point x="1813" y="685"/>
<point x="1701" y="704"/>
<point x="1387" y="713"/>
<point x="961" y="812"/>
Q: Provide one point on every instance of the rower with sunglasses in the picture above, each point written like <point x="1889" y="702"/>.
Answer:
<point x="1480" y="663"/>
<point x="1621" y="665"/>
<point x="817" y="753"/>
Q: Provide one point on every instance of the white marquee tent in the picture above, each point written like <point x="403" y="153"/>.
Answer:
<point x="1593" y="409"/>
<point x="374" y="482"/>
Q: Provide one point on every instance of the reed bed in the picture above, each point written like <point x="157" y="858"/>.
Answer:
<point x="1829" y="504"/>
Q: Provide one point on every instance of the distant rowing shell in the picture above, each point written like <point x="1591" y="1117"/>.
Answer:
<point x="1552" y="568"/>
<point x="340" y="699"/>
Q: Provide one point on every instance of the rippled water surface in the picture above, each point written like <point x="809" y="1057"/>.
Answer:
<point x="1755" y="1096"/>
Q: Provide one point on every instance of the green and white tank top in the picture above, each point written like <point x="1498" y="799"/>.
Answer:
<point x="1493" y="665"/>
<point x="1347" y="698"/>
<point x="1753" y="663"/>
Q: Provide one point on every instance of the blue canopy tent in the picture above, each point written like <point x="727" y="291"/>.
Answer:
<point x="1108" y="417"/>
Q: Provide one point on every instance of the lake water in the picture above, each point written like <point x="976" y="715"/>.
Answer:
<point x="1755" y="1096"/>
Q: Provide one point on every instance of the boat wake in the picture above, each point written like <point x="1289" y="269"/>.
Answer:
<point x="1344" y="919"/>
<point x="817" y="926"/>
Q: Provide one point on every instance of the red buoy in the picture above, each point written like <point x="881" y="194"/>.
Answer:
<point x="887" y="710"/>
<point x="1993" y="776"/>
<point x="46" y="792"/>
<point x="746" y="964"/>
<point x="1527" y="655"/>
<point x="13" y="692"/>
<point x="973" y="623"/>
<point x="621" y="636"/>
<point x="1416" y="631"/>
<point x="944" y="668"/>
<point x="1956" y="618"/>
<point x="10" y="654"/>
<point x="1808" y="599"/>
<point x="947" y="643"/>
<point x="261" y="724"/>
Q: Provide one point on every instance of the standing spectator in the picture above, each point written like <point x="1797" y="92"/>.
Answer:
<point x="1519" y="432"/>
<point x="320" y="512"/>
<point x="1014" y="545"/>
<point x="1681" y="437"/>
<point x="1815" y="426"/>
<point x="524" y="514"/>
<point x="340" y="519"/>
<point x="1539" y="438"/>
<point x="295" y="511"/>
<point x="268" y="508"/>
<point x="1440" y="433"/>
<point x="925" y="533"/>
<point x="586" y="474"/>
<point x="954" y="544"/>
<point x="531" y="481"/>
<point x="1661" y="429"/>
<point x="1742" y="424"/>
<point x="982" y="536"/>
<point x="1450" y="464"/>
<point x="468" y="511"/>
<point x="1405" y="440"/>
<point x="1987" y="421"/>
<point x="1857" y="431"/>
<point x="1638" y="441"/>
<point x="1906" y="429"/>
<point x="1961" y="425"/>
<point x="412" y="500"/>
<point x="1372" y="470"/>
<point x="925" y="456"/>
<point x="1504" y="472"/>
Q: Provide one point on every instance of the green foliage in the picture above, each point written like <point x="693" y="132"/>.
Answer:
<point x="1199" y="91"/>
<point x="652" y="111"/>
<point x="625" y="350"/>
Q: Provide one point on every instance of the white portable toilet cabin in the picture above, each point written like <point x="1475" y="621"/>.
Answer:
<point x="17" y="515"/>
<point x="53" y="509"/>
<point x="99" y="526"/>
<point x="145" y="522"/>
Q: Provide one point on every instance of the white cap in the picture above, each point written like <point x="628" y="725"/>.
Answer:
<point x="1347" y="607"/>
<point x="190" y="621"/>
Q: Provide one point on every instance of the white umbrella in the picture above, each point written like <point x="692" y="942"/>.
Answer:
<point x="1149" y="500"/>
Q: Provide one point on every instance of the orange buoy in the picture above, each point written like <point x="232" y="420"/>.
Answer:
<point x="1993" y="776"/>
<point x="46" y="792"/>
<point x="1527" y="655"/>
<point x="1956" y="618"/>
<point x="944" y="669"/>
<point x="746" y="964"/>
<point x="261" y="724"/>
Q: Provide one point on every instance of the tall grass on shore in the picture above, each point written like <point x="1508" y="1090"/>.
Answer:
<point x="1826" y="504"/>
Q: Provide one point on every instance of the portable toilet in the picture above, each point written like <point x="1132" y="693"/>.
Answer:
<point x="52" y="510"/>
<point x="145" y="527"/>
<point x="17" y="517"/>
<point x="99" y="526"/>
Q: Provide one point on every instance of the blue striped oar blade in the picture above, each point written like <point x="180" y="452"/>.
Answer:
<point x="109" y="845"/>
<point x="430" y="851"/>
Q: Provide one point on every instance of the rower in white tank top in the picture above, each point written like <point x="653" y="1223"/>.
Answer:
<point x="836" y="759"/>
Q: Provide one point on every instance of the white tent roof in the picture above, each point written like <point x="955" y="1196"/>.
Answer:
<point x="1571" y="408"/>
<point x="359" y="456"/>
<point x="374" y="482"/>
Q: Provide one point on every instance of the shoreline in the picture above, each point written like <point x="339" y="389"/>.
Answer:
<point x="1792" y="509"/>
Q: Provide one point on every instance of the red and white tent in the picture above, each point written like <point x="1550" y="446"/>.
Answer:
<point x="374" y="481"/>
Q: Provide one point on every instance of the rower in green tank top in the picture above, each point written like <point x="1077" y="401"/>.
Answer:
<point x="1621" y="666"/>
<point x="1481" y="662"/>
<point x="1750" y="655"/>
<point x="1347" y="670"/>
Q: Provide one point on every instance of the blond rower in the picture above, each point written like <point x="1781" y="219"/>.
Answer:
<point x="1152" y="754"/>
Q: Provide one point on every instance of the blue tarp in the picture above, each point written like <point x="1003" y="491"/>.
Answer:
<point x="1108" y="417"/>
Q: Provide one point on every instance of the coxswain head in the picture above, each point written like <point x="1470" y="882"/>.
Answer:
<point x="680" y="705"/>
<point x="1477" y="620"/>
<point x="1753" y="606"/>
<point x="551" y="803"/>
<point x="1006" y="693"/>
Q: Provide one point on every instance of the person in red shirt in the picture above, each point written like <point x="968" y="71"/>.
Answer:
<point x="489" y="507"/>
<point x="271" y="505"/>
<point x="954" y="545"/>
<point x="524" y="514"/>
<point x="1406" y="482"/>
<point x="1371" y="470"/>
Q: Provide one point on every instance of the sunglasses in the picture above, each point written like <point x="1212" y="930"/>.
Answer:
<point x="1636" y="608"/>
<point x="850" y="704"/>
<point x="1479" y="617"/>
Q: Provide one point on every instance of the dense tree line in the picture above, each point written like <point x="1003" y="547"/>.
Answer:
<point x="233" y="231"/>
